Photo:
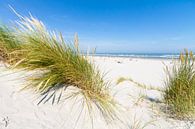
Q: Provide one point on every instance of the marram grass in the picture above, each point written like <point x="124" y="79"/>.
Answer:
<point x="180" y="87"/>
<point x="140" y="85"/>
<point x="8" y="44"/>
<point x="60" y="66"/>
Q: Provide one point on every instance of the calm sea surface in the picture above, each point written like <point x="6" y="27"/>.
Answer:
<point x="141" y="55"/>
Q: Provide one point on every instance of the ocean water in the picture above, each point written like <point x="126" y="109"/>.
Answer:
<point x="141" y="55"/>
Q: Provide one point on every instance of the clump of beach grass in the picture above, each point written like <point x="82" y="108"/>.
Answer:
<point x="180" y="86"/>
<point x="8" y="44"/>
<point x="140" y="85"/>
<point x="59" y="66"/>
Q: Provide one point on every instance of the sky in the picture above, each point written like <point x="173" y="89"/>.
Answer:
<point x="114" y="26"/>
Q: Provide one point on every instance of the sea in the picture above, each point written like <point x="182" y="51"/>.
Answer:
<point x="141" y="55"/>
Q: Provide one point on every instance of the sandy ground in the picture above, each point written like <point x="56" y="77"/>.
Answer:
<point x="140" y="107"/>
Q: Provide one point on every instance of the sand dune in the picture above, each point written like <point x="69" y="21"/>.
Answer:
<point x="19" y="109"/>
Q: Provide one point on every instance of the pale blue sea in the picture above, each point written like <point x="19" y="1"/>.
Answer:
<point x="141" y="55"/>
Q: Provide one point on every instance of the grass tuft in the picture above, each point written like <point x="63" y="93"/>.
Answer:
<point x="8" y="44"/>
<point x="140" y="85"/>
<point x="59" y="66"/>
<point x="180" y="86"/>
<point x="120" y="80"/>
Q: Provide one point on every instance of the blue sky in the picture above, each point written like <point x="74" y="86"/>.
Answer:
<point x="155" y="26"/>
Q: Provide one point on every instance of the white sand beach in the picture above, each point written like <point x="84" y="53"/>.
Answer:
<point x="19" y="109"/>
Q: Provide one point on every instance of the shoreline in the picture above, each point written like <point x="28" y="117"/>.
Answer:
<point x="126" y="57"/>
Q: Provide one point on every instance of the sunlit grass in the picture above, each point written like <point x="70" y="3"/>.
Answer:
<point x="8" y="43"/>
<point x="58" y="65"/>
<point x="180" y="86"/>
<point x="138" y="84"/>
<point x="120" y="80"/>
<point x="179" y="92"/>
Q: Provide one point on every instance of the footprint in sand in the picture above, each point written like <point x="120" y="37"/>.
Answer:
<point x="4" y="122"/>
